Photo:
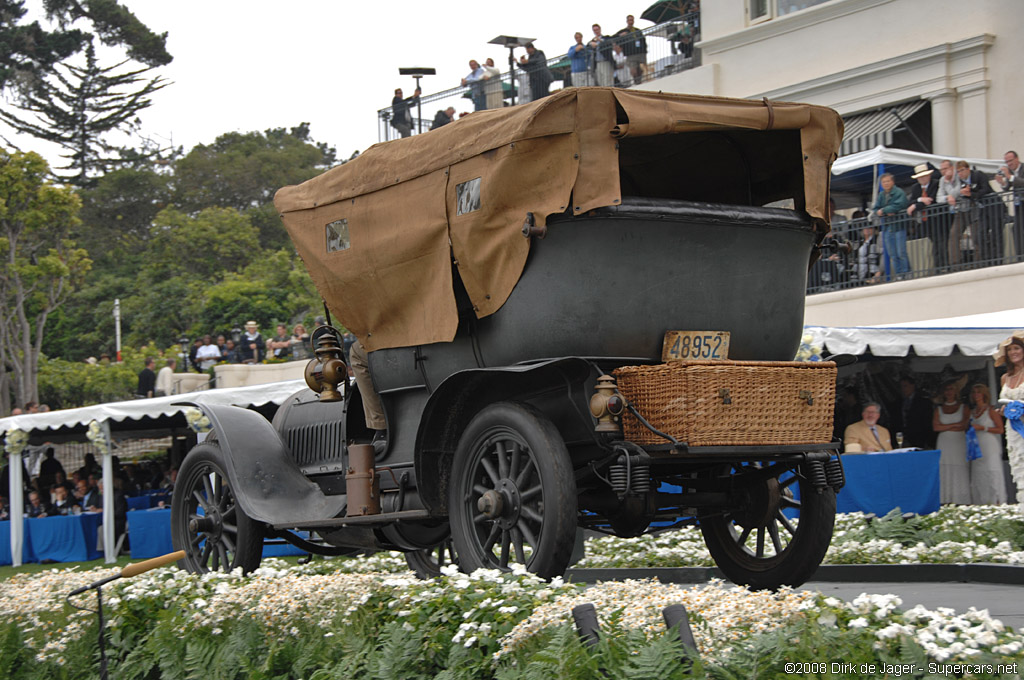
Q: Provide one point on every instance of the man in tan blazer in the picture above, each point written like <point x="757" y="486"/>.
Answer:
<point x="867" y="433"/>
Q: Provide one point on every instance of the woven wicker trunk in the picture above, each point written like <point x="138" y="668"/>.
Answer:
<point x="731" y="403"/>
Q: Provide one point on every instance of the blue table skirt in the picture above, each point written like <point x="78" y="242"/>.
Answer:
<point x="879" y="482"/>
<point x="68" y="538"/>
<point x="149" y="532"/>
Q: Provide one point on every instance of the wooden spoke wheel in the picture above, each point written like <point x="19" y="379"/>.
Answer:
<point x="512" y="493"/>
<point x="206" y="520"/>
<point x="779" y="532"/>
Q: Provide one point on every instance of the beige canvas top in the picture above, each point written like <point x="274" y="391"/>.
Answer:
<point x="406" y="211"/>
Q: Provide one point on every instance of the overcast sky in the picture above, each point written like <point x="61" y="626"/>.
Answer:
<point x="259" y="64"/>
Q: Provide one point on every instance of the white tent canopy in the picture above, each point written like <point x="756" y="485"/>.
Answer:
<point x="139" y="409"/>
<point x="881" y="155"/>
<point x="159" y="411"/>
<point x="976" y="335"/>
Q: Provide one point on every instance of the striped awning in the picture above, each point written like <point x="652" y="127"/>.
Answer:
<point x="867" y="130"/>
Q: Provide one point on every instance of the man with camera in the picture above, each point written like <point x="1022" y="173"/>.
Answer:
<point x="1011" y="175"/>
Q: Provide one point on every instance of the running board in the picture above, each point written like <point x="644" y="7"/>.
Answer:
<point x="361" y="520"/>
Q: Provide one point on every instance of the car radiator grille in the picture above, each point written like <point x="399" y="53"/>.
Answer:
<point x="315" y="443"/>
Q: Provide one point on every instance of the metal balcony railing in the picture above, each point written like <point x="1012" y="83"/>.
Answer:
<point x="670" y="49"/>
<point x="984" y="233"/>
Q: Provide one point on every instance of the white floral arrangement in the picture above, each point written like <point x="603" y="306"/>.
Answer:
<point x="808" y="351"/>
<point x="15" y="441"/>
<point x="99" y="435"/>
<point x="197" y="420"/>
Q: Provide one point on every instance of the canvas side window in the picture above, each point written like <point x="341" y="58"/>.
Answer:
<point x="337" y="236"/>
<point x="467" y="196"/>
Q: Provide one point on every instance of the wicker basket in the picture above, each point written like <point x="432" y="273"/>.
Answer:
<point x="731" y="403"/>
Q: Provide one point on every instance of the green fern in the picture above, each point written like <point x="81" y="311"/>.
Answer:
<point x="398" y="657"/>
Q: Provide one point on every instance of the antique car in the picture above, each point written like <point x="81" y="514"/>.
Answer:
<point x="579" y="313"/>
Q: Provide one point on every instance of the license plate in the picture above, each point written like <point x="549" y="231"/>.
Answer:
<point x="690" y="345"/>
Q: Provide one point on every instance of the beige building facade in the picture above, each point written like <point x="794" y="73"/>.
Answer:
<point x="957" y="63"/>
<point x="856" y="56"/>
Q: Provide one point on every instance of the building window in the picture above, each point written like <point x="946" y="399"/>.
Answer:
<point x="789" y="6"/>
<point x="759" y="10"/>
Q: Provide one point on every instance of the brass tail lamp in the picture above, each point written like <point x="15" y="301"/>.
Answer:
<point x="607" y="405"/>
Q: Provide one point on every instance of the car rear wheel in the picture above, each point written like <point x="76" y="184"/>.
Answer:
<point x="206" y="520"/>
<point x="512" y="493"/>
<point x="778" y="533"/>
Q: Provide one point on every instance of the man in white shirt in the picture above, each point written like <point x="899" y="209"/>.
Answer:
<point x="165" y="379"/>
<point x="208" y="355"/>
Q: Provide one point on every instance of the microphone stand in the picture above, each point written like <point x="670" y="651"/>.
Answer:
<point x="127" y="572"/>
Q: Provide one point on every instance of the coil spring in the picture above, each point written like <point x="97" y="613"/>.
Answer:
<point x="815" y="471"/>
<point x="834" y="474"/>
<point x="640" y="480"/>
<point x="634" y="478"/>
<point x="619" y="477"/>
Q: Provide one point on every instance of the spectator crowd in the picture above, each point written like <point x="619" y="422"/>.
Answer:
<point x="956" y="216"/>
<point x="617" y="60"/>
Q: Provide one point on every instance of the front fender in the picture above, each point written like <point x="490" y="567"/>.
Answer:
<point x="267" y="483"/>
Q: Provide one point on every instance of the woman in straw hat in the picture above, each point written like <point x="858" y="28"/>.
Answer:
<point x="1011" y="354"/>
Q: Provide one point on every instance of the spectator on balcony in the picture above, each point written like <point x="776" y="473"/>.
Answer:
<point x="536" y="65"/>
<point x="492" y="86"/>
<point x="580" y="56"/>
<point x="443" y="117"/>
<point x="1011" y="175"/>
<point x="401" y="116"/>
<point x="634" y="45"/>
<point x="981" y="237"/>
<point x="949" y="190"/>
<point x="889" y="208"/>
<point x="475" y="81"/>
<point x="867" y="265"/>
<point x="604" y="63"/>
<point x="622" y="76"/>
<point x="922" y="197"/>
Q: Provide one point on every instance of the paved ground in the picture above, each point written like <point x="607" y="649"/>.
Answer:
<point x="1004" y="602"/>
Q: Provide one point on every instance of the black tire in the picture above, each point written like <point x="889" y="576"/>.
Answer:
<point x="427" y="563"/>
<point x="512" y="493"/>
<point x="206" y="520"/>
<point x="784" y="552"/>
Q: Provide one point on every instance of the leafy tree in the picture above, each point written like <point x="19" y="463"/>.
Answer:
<point x="118" y="214"/>
<point x="78" y="106"/>
<point x="243" y="171"/>
<point x="39" y="263"/>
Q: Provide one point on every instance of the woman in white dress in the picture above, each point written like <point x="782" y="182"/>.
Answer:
<point x="988" y="483"/>
<point x="1011" y="353"/>
<point x="951" y="421"/>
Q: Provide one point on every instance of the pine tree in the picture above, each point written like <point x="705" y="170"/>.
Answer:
<point x="78" y="106"/>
